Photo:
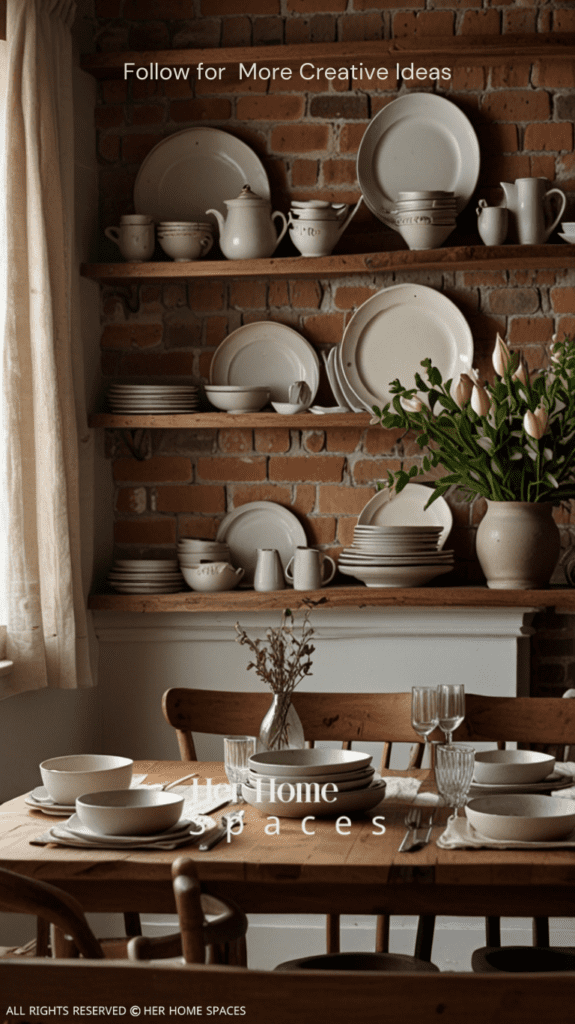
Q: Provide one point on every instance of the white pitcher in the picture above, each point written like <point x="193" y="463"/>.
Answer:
<point x="308" y="569"/>
<point x="530" y="216"/>
<point x="269" y="572"/>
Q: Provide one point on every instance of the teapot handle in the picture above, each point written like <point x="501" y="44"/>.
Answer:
<point x="283" y="230"/>
<point x="563" y="204"/>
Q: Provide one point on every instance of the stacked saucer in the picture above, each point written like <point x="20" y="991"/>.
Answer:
<point x="151" y="399"/>
<point x="395" y="556"/>
<point x="146" y="576"/>
<point x="192" y="551"/>
<point x="425" y="219"/>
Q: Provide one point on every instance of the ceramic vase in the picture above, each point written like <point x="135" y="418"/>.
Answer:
<point x="518" y="544"/>
<point x="281" y="728"/>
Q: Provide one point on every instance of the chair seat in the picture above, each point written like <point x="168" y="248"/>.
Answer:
<point x="393" y="962"/>
<point x="522" y="959"/>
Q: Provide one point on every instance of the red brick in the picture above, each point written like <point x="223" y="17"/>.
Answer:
<point x="361" y="26"/>
<point x="325" y="329"/>
<point x="174" y="295"/>
<point x="147" y="113"/>
<point x="129" y="336"/>
<point x="155" y="470"/>
<point x="434" y="23"/>
<point x="305" y="499"/>
<point x="480" y="23"/>
<point x="305" y="294"/>
<point x="563" y="300"/>
<point x="352" y="296"/>
<point x="197" y="526"/>
<point x="304" y="172"/>
<point x="378" y="440"/>
<point x="498" y="138"/>
<point x="200" y="110"/>
<point x="206" y="294"/>
<point x="195" y="498"/>
<point x="235" y="441"/>
<point x="343" y="439"/>
<point x="339" y="172"/>
<point x="270" y="108"/>
<point x="464" y="79"/>
<point x="272" y="440"/>
<point x="236" y="32"/>
<point x="566" y="174"/>
<point x="519" y="105"/>
<point x="549" y="136"/>
<point x="132" y="500"/>
<point x="158" y="364"/>
<point x="344" y="500"/>
<point x="344" y="106"/>
<point x="566" y="325"/>
<point x="231" y="469"/>
<point x="542" y="167"/>
<point x="244" y="493"/>
<point x="367" y="471"/>
<point x="248" y="294"/>
<point x="278" y="293"/>
<point x="315" y="6"/>
<point x="519" y="21"/>
<point x="136" y="147"/>
<point x="350" y="137"/>
<point x="549" y="74"/>
<point x="510" y="76"/>
<point x="300" y="138"/>
<point x="563" y="21"/>
<point x="504" y="301"/>
<point x="313" y="440"/>
<point x="529" y="330"/>
<point x="483" y="278"/>
<point x="321" y="529"/>
<point x="324" y="468"/>
<point x="345" y="529"/>
<point x="145" y="531"/>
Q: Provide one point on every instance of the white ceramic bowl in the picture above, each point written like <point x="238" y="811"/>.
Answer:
<point x="527" y="818"/>
<point x="183" y="246"/>
<point x="425" y="236"/>
<point x="70" y="776"/>
<point x="131" y="812"/>
<point x="307" y="762"/>
<point x="497" y="767"/>
<point x="289" y="408"/>
<point x="212" y="577"/>
<point x="237" y="400"/>
<point x="568" y="226"/>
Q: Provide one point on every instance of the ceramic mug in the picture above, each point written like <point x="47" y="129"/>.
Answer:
<point x="269" y="573"/>
<point x="492" y="223"/>
<point x="308" y="569"/>
<point x="135" y="241"/>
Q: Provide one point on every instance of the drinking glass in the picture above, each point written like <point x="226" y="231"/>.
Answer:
<point x="453" y="773"/>
<point x="424" y="710"/>
<point x="450" y="708"/>
<point x="237" y="752"/>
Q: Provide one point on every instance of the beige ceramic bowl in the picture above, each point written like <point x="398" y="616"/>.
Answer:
<point x="234" y="399"/>
<point x="511" y="767"/>
<point x="425" y="236"/>
<point x="526" y="818"/>
<point x="212" y="577"/>
<point x="68" y="777"/>
<point x="132" y="812"/>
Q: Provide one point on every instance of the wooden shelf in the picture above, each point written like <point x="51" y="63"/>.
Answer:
<point x="217" y="420"/>
<point x="463" y="257"/>
<point x="428" y="50"/>
<point x="337" y="597"/>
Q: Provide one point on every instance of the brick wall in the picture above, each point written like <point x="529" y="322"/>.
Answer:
<point x="307" y="134"/>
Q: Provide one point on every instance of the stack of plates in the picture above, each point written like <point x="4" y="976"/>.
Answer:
<point x="395" y="556"/>
<point x="151" y="399"/>
<point x="146" y="576"/>
<point x="193" y="552"/>
<point x="297" y="783"/>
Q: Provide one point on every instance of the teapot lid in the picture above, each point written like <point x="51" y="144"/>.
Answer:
<point x="247" y="196"/>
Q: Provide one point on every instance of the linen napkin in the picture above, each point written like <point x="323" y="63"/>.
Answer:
<point x="460" y="834"/>
<point x="406" y="791"/>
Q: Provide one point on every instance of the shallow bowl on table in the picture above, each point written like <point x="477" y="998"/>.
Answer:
<point x="134" y="812"/>
<point x="498" y="767"/>
<point x="527" y="818"/>
<point x="237" y="399"/>
<point x="307" y="762"/>
<point x="70" y="776"/>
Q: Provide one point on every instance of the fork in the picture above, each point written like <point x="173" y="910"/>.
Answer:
<point x="412" y="823"/>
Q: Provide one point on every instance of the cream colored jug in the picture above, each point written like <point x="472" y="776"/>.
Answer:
<point x="248" y="232"/>
<point x="530" y="216"/>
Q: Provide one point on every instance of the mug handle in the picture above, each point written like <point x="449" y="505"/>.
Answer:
<point x="288" y="576"/>
<point x="563" y="204"/>
<point x="206" y="244"/>
<point x="113" y="234"/>
<point x="325" y="559"/>
<point x="283" y="230"/>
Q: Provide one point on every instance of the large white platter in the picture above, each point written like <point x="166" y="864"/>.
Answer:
<point x="420" y="141"/>
<point x="196" y="170"/>
<point x="393" y="331"/>
<point x="408" y="509"/>
<point x="266" y="353"/>
<point x="260" y="524"/>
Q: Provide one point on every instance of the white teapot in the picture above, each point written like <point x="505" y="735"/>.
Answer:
<point x="248" y="232"/>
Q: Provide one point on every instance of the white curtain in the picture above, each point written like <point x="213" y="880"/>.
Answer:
<point x="44" y="604"/>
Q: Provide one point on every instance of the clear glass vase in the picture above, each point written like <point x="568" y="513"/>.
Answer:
<point x="281" y="728"/>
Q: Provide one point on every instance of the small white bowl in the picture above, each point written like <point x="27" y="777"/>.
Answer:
<point x="512" y="767"/>
<point x="183" y="245"/>
<point x="237" y="400"/>
<point x="425" y="236"/>
<point x="132" y="812"/>
<point x="70" y="776"/>
<point x="289" y="408"/>
<point x="568" y="226"/>
<point x="528" y="818"/>
<point x="212" y="577"/>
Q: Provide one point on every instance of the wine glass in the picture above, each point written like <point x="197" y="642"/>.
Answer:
<point x="450" y="708"/>
<point x="453" y="773"/>
<point x="424" y="710"/>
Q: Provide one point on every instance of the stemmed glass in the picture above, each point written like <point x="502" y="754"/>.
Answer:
<point x="454" y="773"/>
<point x="424" y="710"/>
<point x="450" y="708"/>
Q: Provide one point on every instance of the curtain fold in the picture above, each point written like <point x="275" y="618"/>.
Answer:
<point x="46" y="618"/>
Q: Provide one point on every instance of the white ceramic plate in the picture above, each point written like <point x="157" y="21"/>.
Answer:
<point x="393" y="331"/>
<point x="260" y="524"/>
<point x="150" y="564"/>
<point x="308" y="763"/>
<point x="354" y="802"/>
<point x="408" y="508"/>
<point x="356" y="776"/>
<point x="266" y="353"/>
<point x="75" y="826"/>
<point x="391" y="560"/>
<point x="417" y="142"/>
<point x="548" y="785"/>
<point x="395" y="576"/>
<point x="196" y="170"/>
<point x="350" y="398"/>
<point x="333" y="381"/>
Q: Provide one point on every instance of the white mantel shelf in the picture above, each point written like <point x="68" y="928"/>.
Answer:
<point x="562" y="598"/>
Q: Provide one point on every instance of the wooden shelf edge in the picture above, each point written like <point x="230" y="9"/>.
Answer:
<point x="337" y="597"/>
<point x="463" y="257"/>
<point x="221" y="420"/>
<point x="473" y="49"/>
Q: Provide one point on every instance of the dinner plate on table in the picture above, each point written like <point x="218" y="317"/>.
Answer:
<point x="389" y="335"/>
<point x="552" y="783"/>
<point x="196" y="170"/>
<point x="260" y="524"/>
<point x="408" y="508"/>
<point x="266" y="353"/>
<point x="417" y="142"/>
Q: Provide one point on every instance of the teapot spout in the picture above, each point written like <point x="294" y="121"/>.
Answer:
<point x="352" y="214"/>
<point x="219" y="218"/>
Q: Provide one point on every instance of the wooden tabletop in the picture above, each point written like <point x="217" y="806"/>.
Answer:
<point x="359" y="872"/>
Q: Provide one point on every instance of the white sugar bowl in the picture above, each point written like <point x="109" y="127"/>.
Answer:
<point x="212" y="577"/>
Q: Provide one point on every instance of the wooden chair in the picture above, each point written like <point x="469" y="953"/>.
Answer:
<point x="344" y="718"/>
<point x="283" y="998"/>
<point x="211" y="931"/>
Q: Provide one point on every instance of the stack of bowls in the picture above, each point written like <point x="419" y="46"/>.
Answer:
<point x="424" y="219"/>
<point x="185" y="240"/>
<point x="567" y="232"/>
<point x="194" y="553"/>
<point x="395" y="556"/>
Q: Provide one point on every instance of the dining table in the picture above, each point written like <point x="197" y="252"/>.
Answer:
<point x="324" y="865"/>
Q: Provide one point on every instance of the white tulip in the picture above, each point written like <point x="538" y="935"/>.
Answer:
<point x="410" y="404"/>
<point x="520" y="373"/>
<point x="480" y="400"/>
<point x="535" y="423"/>
<point x="462" y="390"/>
<point x="501" y="356"/>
